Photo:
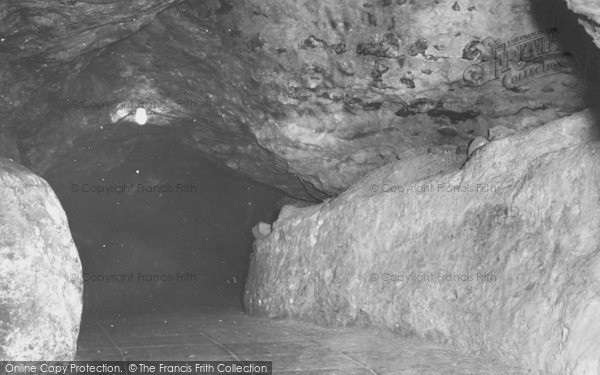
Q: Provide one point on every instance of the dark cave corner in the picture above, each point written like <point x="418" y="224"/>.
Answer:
<point x="555" y="14"/>
<point x="164" y="228"/>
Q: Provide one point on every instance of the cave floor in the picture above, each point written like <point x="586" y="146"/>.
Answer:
<point x="294" y="347"/>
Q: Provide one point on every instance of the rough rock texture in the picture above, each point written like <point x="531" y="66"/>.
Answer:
<point x="64" y="29"/>
<point x="261" y="229"/>
<point x="589" y="12"/>
<point x="307" y="96"/>
<point x="501" y="256"/>
<point x="364" y="81"/>
<point x="40" y="271"/>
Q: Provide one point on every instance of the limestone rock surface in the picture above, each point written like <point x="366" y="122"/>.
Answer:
<point x="500" y="256"/>
<point x="40" y="271"/>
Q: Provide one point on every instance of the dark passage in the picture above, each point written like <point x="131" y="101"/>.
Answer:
<point x="163" y="228"/>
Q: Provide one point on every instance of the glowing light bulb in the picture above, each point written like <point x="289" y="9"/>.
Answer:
<point x="141" y="116"/>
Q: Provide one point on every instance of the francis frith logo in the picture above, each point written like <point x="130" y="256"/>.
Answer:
<point x="516" y="62"/>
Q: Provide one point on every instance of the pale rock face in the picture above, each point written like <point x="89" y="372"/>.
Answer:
<point x="40" y="271"/>
<point x="500" y="256"/>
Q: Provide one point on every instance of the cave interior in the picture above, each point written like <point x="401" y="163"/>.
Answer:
<point x="174" y="132"/>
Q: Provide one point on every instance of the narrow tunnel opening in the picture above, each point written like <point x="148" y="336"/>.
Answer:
<point x="161" y="228"/>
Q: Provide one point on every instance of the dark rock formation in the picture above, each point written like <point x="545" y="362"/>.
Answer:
<point x="500" y="256"/>
<point x="589" y="16"/>
<point x="63" y="30"/>
<point x="40" y="272"/>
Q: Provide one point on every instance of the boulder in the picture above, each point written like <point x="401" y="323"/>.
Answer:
<point x="261" y="229"/>
<point x="501" y="256"/>
<point x="40" y="271"/>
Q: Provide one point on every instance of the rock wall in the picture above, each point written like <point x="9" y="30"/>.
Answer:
<point x="40" y="271"/>
<point x="353" y="84"/>
<point x="500" y="256"/>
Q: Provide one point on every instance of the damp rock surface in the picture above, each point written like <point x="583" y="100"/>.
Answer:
<point x="501" y="256"/>
<point x="40" y="271"/>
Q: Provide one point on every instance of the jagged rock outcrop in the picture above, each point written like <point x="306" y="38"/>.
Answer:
<point x="40" y="272"/>
<point x="501" y="256"/>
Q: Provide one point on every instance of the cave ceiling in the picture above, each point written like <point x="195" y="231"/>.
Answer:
<point x="306" y="96"/>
